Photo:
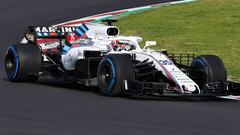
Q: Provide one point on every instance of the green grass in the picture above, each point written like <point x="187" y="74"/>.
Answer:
<point x="202" y="27"/>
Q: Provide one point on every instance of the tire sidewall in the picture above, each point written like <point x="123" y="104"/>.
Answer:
<point x="106" y="90"/>
<point x="12" y="51"/>
<point x="28" y="60"/>
<point x="212" y="67"/>
<point x="121" y="69"/>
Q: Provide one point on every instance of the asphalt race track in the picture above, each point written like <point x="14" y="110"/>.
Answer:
<point x="53" y="108"/>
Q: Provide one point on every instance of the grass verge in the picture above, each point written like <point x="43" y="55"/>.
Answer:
<point x="202" y="27"/>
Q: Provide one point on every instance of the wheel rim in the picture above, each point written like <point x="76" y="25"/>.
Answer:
<point x="106" y="75"/>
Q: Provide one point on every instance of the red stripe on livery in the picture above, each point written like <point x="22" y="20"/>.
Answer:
<point x="77" y="22"/>
<point x="53" y="34"/>
<point x="41" y="41"/>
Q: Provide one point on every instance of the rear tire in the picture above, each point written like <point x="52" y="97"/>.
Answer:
<point x="23" y="63"/>
<point x="212" y="67"/>
<point x="112" y="71"/>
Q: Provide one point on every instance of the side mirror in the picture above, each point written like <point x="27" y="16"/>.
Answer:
<point x="149" y="43"/>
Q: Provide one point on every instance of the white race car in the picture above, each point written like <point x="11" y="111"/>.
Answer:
<point x="96" y="55"/>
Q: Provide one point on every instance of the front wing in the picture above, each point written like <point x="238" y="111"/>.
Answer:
<point x="161" y="89"/>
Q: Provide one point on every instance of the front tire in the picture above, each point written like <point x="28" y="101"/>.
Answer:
<point x="212" y="67"/>
<point x="23" y="63"/>
<point x="112" y="71"/>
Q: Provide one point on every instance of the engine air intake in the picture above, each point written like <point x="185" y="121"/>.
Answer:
<point x="112" y="31"/>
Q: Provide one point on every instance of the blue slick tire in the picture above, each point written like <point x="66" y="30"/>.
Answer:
<point x="112" y="71"/>
<point x="23" y="62"/>
<point x="212" y="67"/>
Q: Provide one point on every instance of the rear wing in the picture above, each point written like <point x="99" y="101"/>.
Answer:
<point x="49" y="31"/>
<point x="48" y="37"/>
<point x="71" y="34"/>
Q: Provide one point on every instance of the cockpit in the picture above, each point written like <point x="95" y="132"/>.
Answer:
<point x="119" y="45"/>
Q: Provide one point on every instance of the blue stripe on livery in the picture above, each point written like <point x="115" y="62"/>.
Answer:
<point x="43" y="34"/>
<point x="78" y="32"/>
<point x="81" y="30"/>
<point x="66" y="48"/>
<point x="39" y="34"/>
<point x="84" y="27"/>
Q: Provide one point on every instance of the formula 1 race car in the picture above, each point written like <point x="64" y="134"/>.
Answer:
<point x="96" y="55"/>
